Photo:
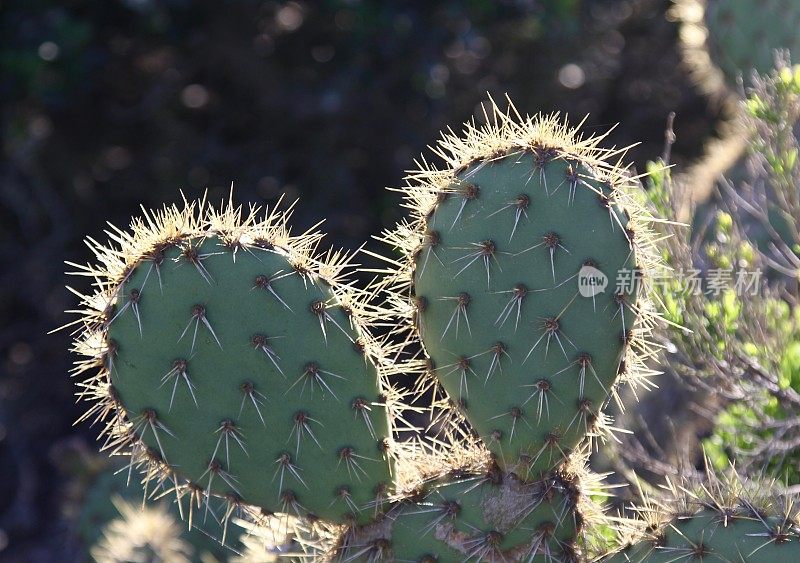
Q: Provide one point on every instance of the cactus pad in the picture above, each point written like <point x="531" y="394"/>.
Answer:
<point x="710" y="535"/>
<point x="514" y="263"/>
<point x="487" y="517"/>
<point x="725" y="39"/>
<point x="242" y="370"/>
<point x="724" y="517"/>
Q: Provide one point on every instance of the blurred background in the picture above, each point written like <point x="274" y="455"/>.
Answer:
<point x="113" y="104"/>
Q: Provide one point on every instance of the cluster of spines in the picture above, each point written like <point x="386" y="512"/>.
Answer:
<point x="146" y="243"/>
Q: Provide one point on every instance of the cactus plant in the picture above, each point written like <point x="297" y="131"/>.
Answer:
<point x="724" y="40"/>
<point x="235" y="365"/>
<point x="149" y="535"/>
<point x="486" y="517"/>
<point x="723" y="518"/>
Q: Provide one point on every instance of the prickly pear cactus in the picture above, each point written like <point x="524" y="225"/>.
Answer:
<point x="723" y="518"/>
<point x="232" y="361"/>
<point x="711" y="535"/>
<point x="513" y="263"/>
<point x="237" y="369"/>
<point x="726" y="39"/>
<point x="745" y="33"/>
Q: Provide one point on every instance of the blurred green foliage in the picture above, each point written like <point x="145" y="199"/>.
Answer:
<point x="729" y="334"/>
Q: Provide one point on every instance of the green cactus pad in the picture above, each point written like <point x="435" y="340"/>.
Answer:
<point x="744" y="34"/>
<point x="712" y="536"/>
<point x="246" y="377"/>
<point x="723" y="40"/>
<point x="492" y="517"/>
<point x="241" y="368"/>
<point x="722" y="517"/>
<point x="528" y="353"/>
